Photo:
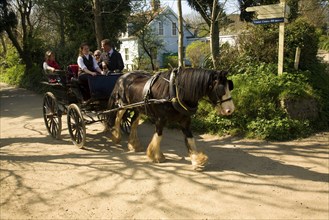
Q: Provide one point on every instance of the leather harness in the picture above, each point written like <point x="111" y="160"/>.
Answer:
<point x="173" y="93"/>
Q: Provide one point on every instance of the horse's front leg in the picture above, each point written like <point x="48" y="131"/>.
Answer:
<point x="198" y="159"/>
<point x="153" y="149"/>
<point x="116" y="131"/>
<point x="133" y="140"/>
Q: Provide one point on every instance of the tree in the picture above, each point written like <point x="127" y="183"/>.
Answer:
<point x="180" y="34"/>
<point x="139" y="26"/>
<point x="316" y="12"/>
<point x="212" y="12"/>
<point x="197" y="52"/>
<point x="9" y="23"/>
<point x="35" y="25"/>
<point x="98" y="22"/>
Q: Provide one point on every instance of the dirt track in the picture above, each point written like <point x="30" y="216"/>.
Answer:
<point x="42" y="178"/>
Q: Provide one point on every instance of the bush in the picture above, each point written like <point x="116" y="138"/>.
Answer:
<point x="13" y="75"/>
<point x="258" y="113"/>
<point x="12" y="70"/>
<point x="260" y="45"/>
<point x="170" y="60"/>
<point x="278" y="129"/>
<point x="324" y="43"/>
<point x="303" y="35"/>
<point x="197" y="52"/>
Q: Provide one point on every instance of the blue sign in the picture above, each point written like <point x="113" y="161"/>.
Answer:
<point x="268" y="21"/>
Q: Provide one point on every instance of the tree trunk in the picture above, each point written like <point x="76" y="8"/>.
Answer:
<point x="62" y="30"/>
<point x="149" y="54"/>
<point x="180" y="35"/>
<point x="214" y="35"/>
<point x="98" y="22"/>
<point x="3" y="44"/>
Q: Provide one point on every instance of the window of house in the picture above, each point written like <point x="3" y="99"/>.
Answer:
<point x="126" y="53"/>
<point x="160" y="28"/>
<point x="173" y="29"/>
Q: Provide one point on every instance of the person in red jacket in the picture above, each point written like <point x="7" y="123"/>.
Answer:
<point x="50" y="63"/>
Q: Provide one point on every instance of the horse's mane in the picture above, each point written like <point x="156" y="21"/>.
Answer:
<point x="192" y="84"/>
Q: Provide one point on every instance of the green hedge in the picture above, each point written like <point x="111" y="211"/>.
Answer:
<point x="258" y="113"/>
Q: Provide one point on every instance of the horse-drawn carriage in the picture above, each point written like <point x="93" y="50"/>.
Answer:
<point x="171" y="95"/>
<point x="65" y="96"/>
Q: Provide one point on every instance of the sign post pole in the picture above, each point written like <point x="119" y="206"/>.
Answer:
<point x="281" y="41"/>
<point x="269" y="14"/>
<point x="281" y="49"/>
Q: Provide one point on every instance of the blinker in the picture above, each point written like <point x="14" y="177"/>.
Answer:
<point x="230" y="85"/>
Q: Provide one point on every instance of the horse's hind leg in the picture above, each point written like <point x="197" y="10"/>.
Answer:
<point x="116" y="131"/>
<point x="133" y="140"/>
<point x="198" y="159"/>
<point x="153" y="149"/>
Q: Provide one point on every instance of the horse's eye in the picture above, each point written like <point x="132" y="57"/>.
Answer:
<point x="230" y="84"/>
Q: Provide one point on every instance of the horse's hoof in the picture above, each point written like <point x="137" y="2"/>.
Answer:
<point x="160" y="158"/>
<point x="199" y="161"/>
<point x="134" y="148"/>
<point x="115" y="137"/>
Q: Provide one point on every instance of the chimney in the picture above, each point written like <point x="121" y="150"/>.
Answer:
<point x="155" y="5"/>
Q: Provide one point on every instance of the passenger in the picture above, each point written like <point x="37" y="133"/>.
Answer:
<point x="111" y="59"/>
<point x="50" y="63"/>
<point x="97" y="55"/>
<point x="88" y="67"/>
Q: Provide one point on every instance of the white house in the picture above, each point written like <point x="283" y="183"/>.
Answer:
<point x="165" y="26"/>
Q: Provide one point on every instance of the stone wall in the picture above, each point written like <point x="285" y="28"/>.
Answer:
<point x="301" y="109"/>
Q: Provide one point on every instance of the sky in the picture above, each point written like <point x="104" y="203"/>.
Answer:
<point x="231" y="6"/>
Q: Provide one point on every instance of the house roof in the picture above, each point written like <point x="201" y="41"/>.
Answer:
<point x="152" y="16"/>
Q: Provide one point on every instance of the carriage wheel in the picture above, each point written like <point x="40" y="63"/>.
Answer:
<point x="52" y="115"/>
<point x="126" y="121"/>
<point x="76" y="125"/>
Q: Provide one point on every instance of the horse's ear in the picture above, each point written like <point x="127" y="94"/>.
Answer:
<point x="223" y="73"/>
<point x="230" y="85"/>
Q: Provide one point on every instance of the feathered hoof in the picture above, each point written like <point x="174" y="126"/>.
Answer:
<point x="115" y="137"/>
<point x="135" y="147"/>
<point x="156" y="158"/>
<point x="199" y="161"/>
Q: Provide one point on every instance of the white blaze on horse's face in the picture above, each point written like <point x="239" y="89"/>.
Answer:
<point x="226" y="107"/>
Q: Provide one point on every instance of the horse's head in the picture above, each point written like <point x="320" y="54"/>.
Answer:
<point x="220" y="93"/>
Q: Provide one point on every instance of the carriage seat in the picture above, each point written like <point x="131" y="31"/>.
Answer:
<point x="72" y="72"/>
<point x="57" y="77"/>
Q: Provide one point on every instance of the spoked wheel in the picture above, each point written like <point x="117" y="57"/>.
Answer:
<point x="52" y="115"/>
<point x="126" y="121"/>
<point x="76" y="125"/>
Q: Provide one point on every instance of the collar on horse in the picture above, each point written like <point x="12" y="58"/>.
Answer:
<point x="177" y="103"/>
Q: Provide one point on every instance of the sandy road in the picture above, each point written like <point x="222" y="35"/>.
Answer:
<point x="42" y="178"/>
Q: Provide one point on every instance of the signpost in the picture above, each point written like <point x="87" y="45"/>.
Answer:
<point x="268" y="21"/>
<point x="269" y="14"/>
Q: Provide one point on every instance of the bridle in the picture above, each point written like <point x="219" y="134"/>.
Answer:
<point x="220" y="101"/>
<point x="219" y="96"/>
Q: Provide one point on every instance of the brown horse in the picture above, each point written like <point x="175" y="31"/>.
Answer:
<point x="168" y="96"/>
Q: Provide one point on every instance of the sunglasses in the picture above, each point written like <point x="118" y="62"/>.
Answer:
<point x="97" y="55"/>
